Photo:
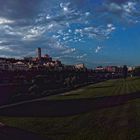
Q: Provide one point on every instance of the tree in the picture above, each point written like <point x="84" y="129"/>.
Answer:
<point x="137" y="71"/>
<point x="125" y="71"/>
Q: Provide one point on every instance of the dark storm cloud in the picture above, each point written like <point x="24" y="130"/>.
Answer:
<point x="120" y="11"/>
<point x="18" y="9"/>
<point x="118" y="1"/>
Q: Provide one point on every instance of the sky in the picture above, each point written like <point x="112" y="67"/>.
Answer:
<point x="94" y="32"/>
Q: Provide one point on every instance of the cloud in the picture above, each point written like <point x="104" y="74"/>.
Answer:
<point x="98" y="49"/>
<point x="100" y="32"/>
<point x="123" y="10"/>
<point x="65" y="6"/>
<point x="4" y="48"/>
<point x="46" y="29"/>
<point x="19" y="9"/>
<point x="5" y="21"/>
<point x="82" y="56"/>
<point x="58" y="26"/>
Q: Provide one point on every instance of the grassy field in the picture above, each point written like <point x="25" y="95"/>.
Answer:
<point x="105" y="111"/>
<point x="107" y="88"/>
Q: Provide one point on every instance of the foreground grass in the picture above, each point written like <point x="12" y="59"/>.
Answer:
<point x="120" y="122"/>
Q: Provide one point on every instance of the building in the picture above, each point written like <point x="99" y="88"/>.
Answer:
<point x="79" y="66"/>
<point x="20" y="66"/>
<point x="99" y="69"/>
<point x="13" y="66"/>
<point x="5" y="66"/>
<point x="130" y="69"/>
<point x="113" y="69"/>
<point x="39" y="53"/>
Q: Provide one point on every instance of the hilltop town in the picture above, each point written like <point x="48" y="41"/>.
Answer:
<point x="35" y="63"/>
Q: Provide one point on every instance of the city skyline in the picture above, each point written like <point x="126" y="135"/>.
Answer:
<point x="94" y="32"/>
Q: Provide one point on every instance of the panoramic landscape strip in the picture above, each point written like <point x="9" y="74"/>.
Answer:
<point x="69" y="69"/>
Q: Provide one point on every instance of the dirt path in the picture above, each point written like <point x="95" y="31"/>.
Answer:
<point x="57" y="108"/>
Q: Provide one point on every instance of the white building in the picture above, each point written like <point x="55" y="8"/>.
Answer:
<point x="20" y="66"/>
<point x="13" y="66"/>
<point x="79" y="66"/>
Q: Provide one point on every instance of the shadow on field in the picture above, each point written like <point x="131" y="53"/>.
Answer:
<point x="103" y="86"/>
<point x="55" y="108"/>
<point x="8" y="133"/>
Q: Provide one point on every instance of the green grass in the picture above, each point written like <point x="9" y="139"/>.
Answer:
<point x="107" y="88"/>
<point x="120" y="122"/>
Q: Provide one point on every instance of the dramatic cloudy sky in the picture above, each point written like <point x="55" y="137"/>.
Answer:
<point x="96" y="32"/>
